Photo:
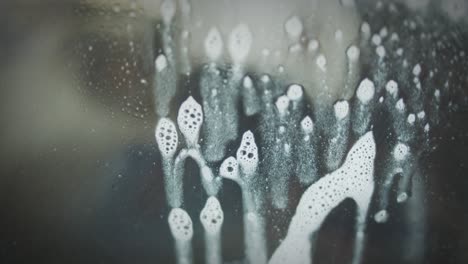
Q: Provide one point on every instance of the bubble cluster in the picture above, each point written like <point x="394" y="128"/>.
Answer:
<point x="341" y="109"/>
<point x="190" y="119"/>
<point x="213" y="44"/>
<point x="400" y="151"/>
<point x="166" y="137"/>
<point x="282" y="104"/>
<point x="212" y="216"/>
<point x="295" y="92"/>
<point x="180" y="224"/>
<point x="365" y="91"/>
<point x="229" y="169"/>
<point x="354" y="179"/>
<point x="307" y="125"/>
<point x="160" y="62"/>
<point x="294" y="27"/>
<point x="392" y="88"/>
<point x="247" y="154"/>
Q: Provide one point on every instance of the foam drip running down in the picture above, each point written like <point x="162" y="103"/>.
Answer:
<point x="165" y="85"/>
<point x="190" y="119"/>
<point x="243" y="170"/>
<point x="354" y="179"/>
<point x="212" y="217"/>
<point x="181" y="228"/>
<point x="167" y="140"/>
<point x="396" y="165"/>
<point x="338" y="136"/>
<point x="213" y="91"/>
<point x="363" y="107"/>
<point x="281" y="167"/>
<point x="306" y="168"/>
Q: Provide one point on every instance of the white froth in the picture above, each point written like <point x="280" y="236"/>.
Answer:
<point x="411" y="118"/>
<point x="240" y="41"/>
<point x="230" y="169"/>
<point x="282" y="104"/>
<point x="212" y="216"/>
<point x="383" y="32"/>
<point x="400" y="105"/>
<point x="402" y="197"/>
<point x="380" y="51"/>
<point x="168" y="10"/>
<point x="421" y="115"/>
<point x="313" y="45"/>
<point x="353" y="53"/>
<point x="365" y="29"/>
<point x="400" y="152"/>
<point x="295" y="92"/>
<point x="247" y="154"/>
<point x="180" y="224"/>
<point x="381" y="216"/>
<point x="307" y="125"/>
<point x="294" y="27"/>
<point x="377" y="40"/>
<point x="417" y="70"/>
<point x="322" y="62"/>
<point x="365" y="91"/>
<point x="161" y="62"/>
<point x="214" y="44"/>
<point x="392" y="88"/>
<point x="354" y="179"/>
<point x="265" y="78"/>
<point x="190" y="119"/>
<point x="166" y="137"/>
<point x="341" y="109"/>
<point x="247" y="83"/>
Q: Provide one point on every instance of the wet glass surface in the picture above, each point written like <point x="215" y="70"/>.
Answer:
<point x="82" y="177"/>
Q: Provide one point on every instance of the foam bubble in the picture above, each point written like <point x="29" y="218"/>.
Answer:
<point x="365" y="29"/>
<point x="295" y="92"/>
<point x="417" y="70"/>
<point x="322" y="62"/>
<point x="180" y="224"/>
<point x="402" y="197"/>
<point x="161" y="63"/>
<point x="353" y="53"/>
<point x="400" y="152"/>
<point x="421" y="115"/>
<point x="247" y="154"/>
<point x="341" y="109"/>
<point x="229" y="169"/>
<point x="400" y="105"/>
<point x="307" y="125"/>
<point x="365" y="91"/>
<point x="212" y="216"/>
<point x="214" y="44"/>
<point x="240" y="41"/>
<point x="166" y="137"/>
<point x="381" y="216"/>
<point x="377" y="40"/>
<point x="168" y="10"/>
<point x="247" y="82"/>
<point x="411" y="118"/>
<point x="313" y="45"/>
<point x="380" y="51"/>
<point x="392" y="88"/>
<point x="282" y="104"/>
<point x="190" y="119"/>
<point x="294" y="27"/>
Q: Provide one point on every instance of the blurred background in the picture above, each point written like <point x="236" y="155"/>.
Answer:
<point x="80" y="176"/>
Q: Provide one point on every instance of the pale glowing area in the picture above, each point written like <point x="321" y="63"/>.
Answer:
<point x="265" y="36"/>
